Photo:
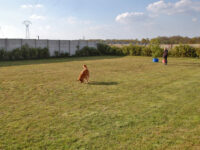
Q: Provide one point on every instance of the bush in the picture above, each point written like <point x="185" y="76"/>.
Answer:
<point x="3" y="54"/>
<point x="60" y="54"/>
<point x="156" y="50"/>
<point x="114" y="50"/>
<point x="87" y="51"/>
<point x="135" y="50"/>
<point x="43" y="53"/>
<point x="17" y="54"/>
<point x="25" y="52"/>
<point x="104" y="49"/>
<point x="198" y="52"/>
<point x="146" y="51"/>
<point x="33" y="53"/>
<point x="184" y="51"/>
<point x="56" y="54"/>
<point x="126" y="50"/>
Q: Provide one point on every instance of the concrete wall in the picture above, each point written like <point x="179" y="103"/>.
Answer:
<point x="31" y="43"/>
<point x="41" y="43"/>
<point x="53" y="45"/>
<point x="12" y="44"/>
<point x="63" y="46"/>
<point x="3" y="43"/>
<point x="73" y="46"/>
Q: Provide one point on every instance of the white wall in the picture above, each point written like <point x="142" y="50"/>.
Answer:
<point x="2" y="43"/>
<point x="30" y="43"/>
<point x="13" y="43"/>
<point x="41" y="43"/>
<point x="73" y="46"/>
<point x="53" y="45"/>
<point x="63" y="46"/>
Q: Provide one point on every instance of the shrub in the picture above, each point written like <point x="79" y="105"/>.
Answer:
<point x="17" y="54"/>
<point x="25" y="51"/>
<point x="146" y="51"/>
<point x="184" y="51"/>
<point x="156" y="50"/>
<point x="56" y="54"/>
<point x="198" y="52"/>
<point x="62" y="54"/>
<point x="104" y="49"/>
<point x="87" y="51"/>
<point x="135" y="50"/>
<point x="125" y="50"/>
<point x="3" y="54"/>
<point x="33" y="53"/>
<point x="43" y="52"/>
<point x="114" y="50"/>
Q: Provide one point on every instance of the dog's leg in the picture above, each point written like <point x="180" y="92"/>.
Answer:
<point x="87" y="79"/>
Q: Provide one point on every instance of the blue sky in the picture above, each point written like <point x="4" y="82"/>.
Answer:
<point x="100" y="19"/>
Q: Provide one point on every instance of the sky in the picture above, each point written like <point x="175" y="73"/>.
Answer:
<point x="99" y="19"/>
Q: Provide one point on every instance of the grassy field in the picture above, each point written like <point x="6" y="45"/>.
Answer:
<point x="129" y="104"/>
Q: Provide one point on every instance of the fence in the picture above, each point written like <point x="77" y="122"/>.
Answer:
<point x="62" y="46"/>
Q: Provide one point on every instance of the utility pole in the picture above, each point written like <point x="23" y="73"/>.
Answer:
<point x="27" y="23"/>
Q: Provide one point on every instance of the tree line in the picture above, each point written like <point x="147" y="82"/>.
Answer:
<point x="161" y="39"/>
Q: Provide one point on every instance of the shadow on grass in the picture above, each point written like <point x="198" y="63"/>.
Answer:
<point x="53" y="60"/>
<point x="102" y="83"/>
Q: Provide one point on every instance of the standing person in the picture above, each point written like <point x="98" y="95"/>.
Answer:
<point x="165" y="54"/>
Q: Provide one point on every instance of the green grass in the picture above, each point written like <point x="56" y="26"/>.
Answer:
<point x="130" y="103"/>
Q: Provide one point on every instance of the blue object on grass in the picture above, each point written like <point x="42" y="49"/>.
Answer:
<point x="155" y="60"/>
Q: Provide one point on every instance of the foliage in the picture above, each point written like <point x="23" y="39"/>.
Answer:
<point x="146" y="51"/>
<point x="184" y="51"/>
<point x="163" y="40"/>
<point x="3" y="54"/>
<point x="87" y="51"/>
<point x="104" y="49"/>
<point x="178" y="40"/>
<point x="198" y="52"/>
<point x="60" y="54"/>
<point x="157" y="51"/>
<point x="23" y="53"/>
<point x="116" y="51"/>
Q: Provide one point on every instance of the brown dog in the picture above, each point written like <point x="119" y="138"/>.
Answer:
<point x="84" y="74"/>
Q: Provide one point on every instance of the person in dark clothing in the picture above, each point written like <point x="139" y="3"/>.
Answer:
<point x="165" y="54"/>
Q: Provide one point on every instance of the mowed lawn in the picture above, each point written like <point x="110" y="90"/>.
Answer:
<point x="129" y="104"/>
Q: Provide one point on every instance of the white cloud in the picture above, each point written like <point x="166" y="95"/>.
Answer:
<point x="132" y="17"/>
<point x="39" y="6"/>
<point x="10" y="31"/>
<point x="73" y="20"/>
<point x="37" y="17"/>
<point x="194" y="19"/>
<point x="182" y="6"/>
<point x="26" y="6"/>
<point x="48" y="27"/>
